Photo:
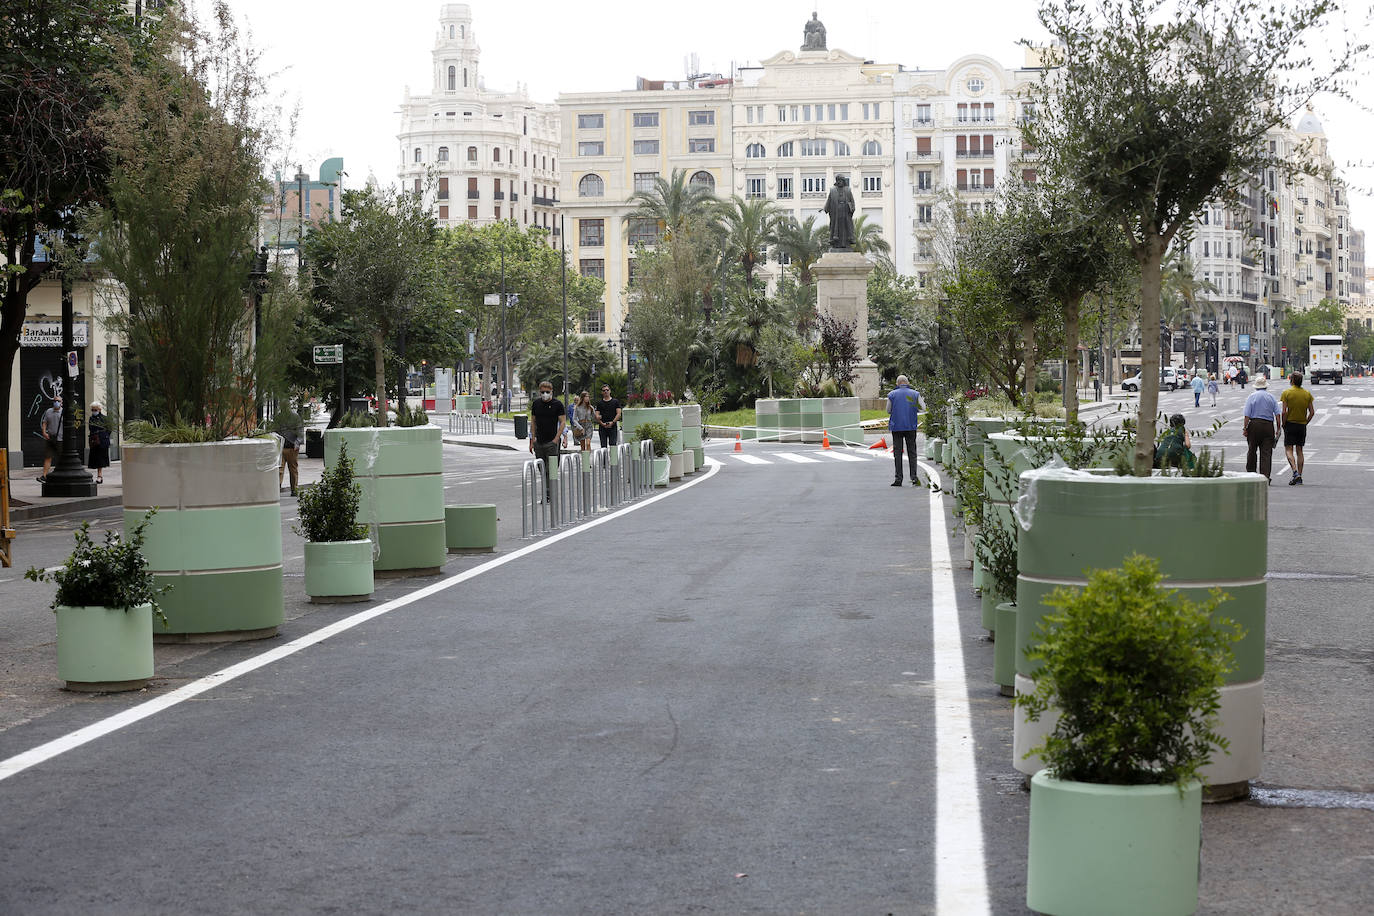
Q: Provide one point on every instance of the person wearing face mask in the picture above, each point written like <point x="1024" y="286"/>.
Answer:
<point x="546" y="431"/>
<point x="98" y="453"/>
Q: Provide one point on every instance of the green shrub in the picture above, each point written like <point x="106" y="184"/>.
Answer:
<point x="329" y="509"/>
<point x="1136" y="672"/>
<point x="658" y="434"/>
<point x="411" y="416"/>
<point x="146" y="433"/>
<point x="356" y="419"/>
<point x="113" y="575"/>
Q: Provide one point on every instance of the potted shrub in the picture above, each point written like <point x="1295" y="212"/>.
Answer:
<point x="338" y="552"/>
<point x="1135" y="673"/>
<point x="105" y="603"/>
<point x="662" y="439"/>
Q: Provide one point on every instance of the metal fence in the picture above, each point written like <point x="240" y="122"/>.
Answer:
<point x="471" y="424"/>
<point x="580" y="487"/>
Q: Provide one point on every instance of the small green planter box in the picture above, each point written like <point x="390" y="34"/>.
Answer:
<point x="468" y="403"/>
<point x="338" y="572"/>
<point x="471" y="528"/>
<point x="1004" y="650"/>
<point x="105" y="649"/>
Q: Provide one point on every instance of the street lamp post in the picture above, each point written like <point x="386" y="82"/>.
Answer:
<point x="257" y="279"/>
<point x="69" y="478"/>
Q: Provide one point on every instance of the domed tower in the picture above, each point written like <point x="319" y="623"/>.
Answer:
<point x="456" y="51"/>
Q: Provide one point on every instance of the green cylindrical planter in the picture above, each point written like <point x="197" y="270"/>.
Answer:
<point x="946" y="453"/>
<point x="1004" y="650"/>
<point x="470" y="529"/>
<point x="105" y="649"/>
<point x="216" y="538"/>
<point x="1088" y="520"/>
<point x="661" y="470"/>
<point x="337" y="572"/>
<point x="401" y="472"/>
<point x="1099" y="850"/>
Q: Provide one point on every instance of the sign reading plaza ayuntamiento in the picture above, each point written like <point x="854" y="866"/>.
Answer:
<point x="49" y="334"/>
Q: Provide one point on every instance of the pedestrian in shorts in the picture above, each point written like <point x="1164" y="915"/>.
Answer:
<point x="1299" y="408"/>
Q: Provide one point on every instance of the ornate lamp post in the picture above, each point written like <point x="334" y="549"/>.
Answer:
<point x="69" y="477"/>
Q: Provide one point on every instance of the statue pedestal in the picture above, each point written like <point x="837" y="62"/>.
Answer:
<point x="842" y="292"/>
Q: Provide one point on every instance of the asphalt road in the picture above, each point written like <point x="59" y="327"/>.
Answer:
<point x="725" y="700"/>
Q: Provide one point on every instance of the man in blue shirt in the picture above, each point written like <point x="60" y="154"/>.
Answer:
<point x="1198" y="385"/>
<point x="1261" y="427"/>
<point x="903" y="408"/>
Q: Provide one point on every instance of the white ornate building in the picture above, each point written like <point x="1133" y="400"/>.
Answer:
<point x="480" y="156"/>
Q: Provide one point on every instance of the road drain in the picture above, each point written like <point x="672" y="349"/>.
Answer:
<point x="1270" y="797"/>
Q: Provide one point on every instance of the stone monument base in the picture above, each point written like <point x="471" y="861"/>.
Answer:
<point x="866" y="380"/>
<point x="842" y="292"/>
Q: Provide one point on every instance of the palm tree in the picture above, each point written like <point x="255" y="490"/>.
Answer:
<point x="674" y="203"/>
<point x="868" y="240"/>
<point x="1181" y="291"/>
<point x="749" y="226"/>
<point x="802" y="243"/>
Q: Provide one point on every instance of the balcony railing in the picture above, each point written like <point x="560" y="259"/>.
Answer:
<point x="442" y="195"/>
<point x="544" y="201"/>
<point x="922" y="190"/>
<point x="972" y="154"/>
<point x="868" y="193"/>
<point x="924" y="122"/>
<point x="514" y="196"/>
<point x="474" y="194"/>
<point x="498" y="195"/>
<point x="1323" y="254"/>
<point x="1250" y="297"/>
<point x="784" y="195"/>
<point x="974" y="188"/>
<point x="922" y="155"/>
<point x="1247" y="261"/>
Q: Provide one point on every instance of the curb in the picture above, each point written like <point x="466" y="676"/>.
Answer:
<point x="66" y="507"/>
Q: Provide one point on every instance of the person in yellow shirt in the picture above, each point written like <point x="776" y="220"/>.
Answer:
<point x="1297" y="411"/>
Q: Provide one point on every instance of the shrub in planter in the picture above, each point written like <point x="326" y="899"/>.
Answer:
<point x="663" y="443"/>
<point x="1135" y="672"/>
<point x="105" y="603"/>
<point x="338" y="552"/>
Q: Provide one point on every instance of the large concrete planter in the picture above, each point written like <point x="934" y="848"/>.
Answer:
<point x="216" y="538"/>
<point x="670" y="417"/>
<point x="662" y="467"/>
<point x="401" y="472"/>
<point x="338" y="572"/>
<point x="1084" y="520"/>
<point x="105" y="649"/>
<point x="1099" y="849"/>
<point x="471" y="528"/>
<point x="691" y="432"/>
<point x="675" y="466"/>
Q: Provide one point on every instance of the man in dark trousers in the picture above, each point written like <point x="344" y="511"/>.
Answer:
<point x="608" y="411"/>
<point x="903" y="408"/>
<point x="546" y="433"/>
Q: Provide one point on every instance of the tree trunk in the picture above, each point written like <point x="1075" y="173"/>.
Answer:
<point x="1028" y="349"/>
<point x="379" y="365"/>
<point x="1152" y="256"/>
<point x="1071" y="334"/>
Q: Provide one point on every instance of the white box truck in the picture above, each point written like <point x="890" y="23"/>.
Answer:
<point x="1324" y="358"/>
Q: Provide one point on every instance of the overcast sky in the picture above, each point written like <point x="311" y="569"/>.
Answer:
<point x="347" y="65"/>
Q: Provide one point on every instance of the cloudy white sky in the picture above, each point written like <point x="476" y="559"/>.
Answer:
<point x="347" y="64"/>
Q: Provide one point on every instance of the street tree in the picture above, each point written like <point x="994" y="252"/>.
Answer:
<point x="675" y="203"/>
<point x="749" y="229"/>
<point x="802" y="243"/>
<point x="671" y="287"/>
<point x="868" y="240"/>
<point x="1158" y="107"/>
<point x="53" y="155"/>
<point x="975" y="302"/>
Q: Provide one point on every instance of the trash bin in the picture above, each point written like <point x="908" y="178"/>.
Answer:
<point x="522" y="426"/>
<point x="314" y="443"/>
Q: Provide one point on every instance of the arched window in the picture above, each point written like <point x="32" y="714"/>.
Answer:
<point x="443" y="154"/>
<point x="417" y="154"/>
<point x="754" y="151"/>
<point x="873" y="148"/>
<point x="452" y="78"/>
<point x="706" y="179"/>
<point x="785" y="150"/>
<point x="450" y="31"/>
<point x="591" y="186"/>
<point x="496" y="154"/>
<point x="841" y="148"/>
<point x="472" y="154"/>
<point x="462" y="31"/>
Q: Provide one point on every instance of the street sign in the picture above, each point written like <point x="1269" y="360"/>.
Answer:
<point x="328" y="354"/>
<point x="491" y="299"/>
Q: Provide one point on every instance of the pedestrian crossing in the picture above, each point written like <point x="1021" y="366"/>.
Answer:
<point x="758" y="459"/>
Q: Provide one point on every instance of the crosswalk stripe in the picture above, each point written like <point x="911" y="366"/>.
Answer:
<point x="799" y="459"/>
<point x="749" y="459"/>
<point x="1345" y="457"/>
<point x="842" y="456"/>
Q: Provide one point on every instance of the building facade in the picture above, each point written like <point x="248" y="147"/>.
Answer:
<point x="478" y="156"/>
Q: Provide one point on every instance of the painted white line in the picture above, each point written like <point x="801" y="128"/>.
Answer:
<point x="960" y="874"/>
<point x="799" y="459"/>
<point x="45" y="752"/>
<point x="841" y="456"/>
<point x="1321" y="420"/>
<point x="1347" y="458"/>
<point x="748" y="459"/>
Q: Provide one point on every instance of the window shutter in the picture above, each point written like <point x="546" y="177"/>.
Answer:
<point x="923" y="144"/>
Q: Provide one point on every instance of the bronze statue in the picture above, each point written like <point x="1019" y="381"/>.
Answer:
<point x="813" y="38"/>
<point x="839" y="206"/>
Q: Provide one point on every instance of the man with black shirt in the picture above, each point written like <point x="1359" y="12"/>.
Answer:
<point x="546" y="435"/>
<point x="608" y="411"/>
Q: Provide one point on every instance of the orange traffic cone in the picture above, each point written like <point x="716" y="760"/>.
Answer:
<point x="737" y="445"/>
<point x="825" y="439"/>
<point x="881" y="443"/>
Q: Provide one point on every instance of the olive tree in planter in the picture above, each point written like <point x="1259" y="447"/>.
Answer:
<point x="338" y="551"/>
<point x="106" y="601"/>
<point x="1134" y="673"/>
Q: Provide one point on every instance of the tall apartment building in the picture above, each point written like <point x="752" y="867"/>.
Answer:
<point x="297" y="202"/>
<point x="957" y="130"/>
<point x="779" y="131"/>
<point x="480" y="156"/>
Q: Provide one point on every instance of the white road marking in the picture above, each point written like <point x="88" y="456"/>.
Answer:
<point x="1346" y="457"/>
<point x="841" y="456"/>
<point x="58" y="746"/>
<point x="799" y="459"/>
<point x="960" y="875"/>
<point x="748" y="459"/>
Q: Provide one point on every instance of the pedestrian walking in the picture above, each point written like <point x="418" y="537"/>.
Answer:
<point x="50" y="428"/>
<point x="1213" y="387"/>
<point x="903" y="409"/>
<point x="290" y="457"/>
<point x="1198" y="386"/>
<point x="98" y="446"/>
<point x="1242" y="377"/>
<point x="547" y="429"/>
<point x="1261" y="427"/>
<point x="1298" y="409"/>
<point x="608" y="411"/>
<point x="583" y="421"/>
